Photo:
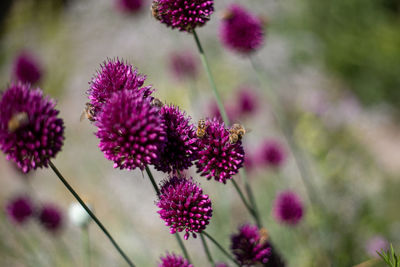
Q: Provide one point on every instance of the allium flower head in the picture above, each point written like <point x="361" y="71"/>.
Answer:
<point x="130" y="6"/>
<point x="114" y="75"/>
<point x="181" y="142"/>
<point x="27" y="68"/>
<point x="218" y="157"/>
<point x="20" y="209"/>
<point x="184" y="15"/>
<point x="247" y="101"/>
<point x="183" y="206"/>
<point x="241" y="31"/>
<point x="249" y="246"/>
<point x="272" y="154"/>
<point x="172" y="260"/>
<point x="131" y="130"/>
<point x="288" y="208"/>
<point x="50" y="217"/>
<point x="30" y="131"/>
<point x="183" y="65"/>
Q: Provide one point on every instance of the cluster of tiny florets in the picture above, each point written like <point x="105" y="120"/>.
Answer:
<point x="288" y="208"/>
<point x="172" y="260"/>
<point x="30" y="131"/>
<point x="183" y="206"/>
<point x="218" y="157"/>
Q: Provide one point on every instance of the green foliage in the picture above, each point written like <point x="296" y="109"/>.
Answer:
<point x="390" y="257"/>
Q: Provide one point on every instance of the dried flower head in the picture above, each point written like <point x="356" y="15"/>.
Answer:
<point x="218" y="157"/>
<point x="288" y="208"/>
<point x="20" y="209"/>
<point x="130" y="6"/>
<point x="184" y="15"/>
<point x="131" y="130"/>
<point x="50" y="217"/>
<point x="272" y="154"/>
<point x="249" y="246"/>
<point x="172" y="260"/>
<point x="27" y="68"/>
<point x="183" y="206"/>
<point x="241" y="31"/>
<point x="180" y="148"/>
<point x="183" y="65"/>
<point x="30" y="131"/>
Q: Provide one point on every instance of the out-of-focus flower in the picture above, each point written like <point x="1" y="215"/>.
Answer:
<point x="376" y="244"/>
<point x="114" y="76"/>
<point x="20" y="209"/>
<point x="183" y="14"/>
<point x="221" y="264"/>
<point x="218" y="157"/>
<point x="30" y="131"/>
<point x="288" y="208"/>
<point x="131" y="130"/>
<point x="180" y="148"/>
<point x="241" y="31"/>
<point x="172" y="260"/>
<point x="272" y="154"/>
<point x="130" y="6"/>
<point x="26" y="68"/>
<point x="249" y="246"/>
<point x="50" y="217"/>
<point x="183" y="65"/>
<point x="183" y="206"/>
<point x="231" y="111"/>
<point x="247" y="101"/>
<point x="78" y="215"/>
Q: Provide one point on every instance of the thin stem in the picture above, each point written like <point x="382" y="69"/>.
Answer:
<point x="86" y="244"/>
<point x="183" y="248"/>
<point x="251" y="197"/>
<point x="97" y="221"/>
<point x="221" y="248"/>
<point x="206" y="250"/>
<point x="240" y="193"/>
<point x="153" y="182"/>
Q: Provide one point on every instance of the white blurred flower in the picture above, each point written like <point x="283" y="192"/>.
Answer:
<point x="78" y="215"/>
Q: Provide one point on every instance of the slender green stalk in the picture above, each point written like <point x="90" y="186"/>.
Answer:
<point x="241" y="195"/>
<point x="153" y="182"/>
<point x="183" y="248"/>
<point x="221" y="248"/>
<point x="249" y="192"/>
<point x="206" y="250"/>
<point x="86" y="244"/>
<point x="91" y="214"/>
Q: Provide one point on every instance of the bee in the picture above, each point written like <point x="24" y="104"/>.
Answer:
<point x="201" y="128"/>
<point x="264" y="236"/>
<point x="157" y="103"/>
<point x="88" y="112"/>
<point x="17" y="121"/>
<point x="236" y="133"/>
<point x="154" y="10"/>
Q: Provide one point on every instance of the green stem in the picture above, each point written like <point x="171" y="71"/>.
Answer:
<point x="91" y="214"/>
<point x="153" y="182"/>
<point x="183" y="248"/>
<point x="86" y="244"/>
<point x="221" y="248"/>
<point x="241" y="195"/>
<point x="206" y="250"/>
<point x="251" y="197"/>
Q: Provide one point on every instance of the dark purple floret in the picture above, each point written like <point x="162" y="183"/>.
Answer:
<point x="172" y="260"/>
<point x="184" y="15"/>
<point x="20" y="209"/>
<point x="50" y="217"/>
<point x="183" y="65"/>
<point x="218" y="158"/>
<point x="30" y="131"/>
<point x="113" y="76"/>
<point x="130" y="6"/>
<point x="183" y="206"/>
<point x="27" y="68"/>
<point x="288" y="208"/>
<point x="131" y="130"/>
<point x="272" y="154"/>
<point x="249" y="246"/>
<point x="181" y="142"/>
<point x="241" y="31"/>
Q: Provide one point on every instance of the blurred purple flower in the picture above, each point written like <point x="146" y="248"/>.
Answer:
<point x="172" y="260"/>
<point x="218" y="158"/>
<point x="288" y="208"/>
<point x="50" y="217"/>
<point x="272" y="154"/>
<point x="26" y="68"/>
<point x="376" y="244"/>
<point x="183" y="206"/>
<point x="241" y="31"/>
<point x="130" y="6"/>
<point x="131" y="130"/>
<point x="247" y="101"/>
<point x="20" y="209"/>
<point x="30" y="131"/>
<point x="221" y="264"/>
<point x="183" y="65"/>
<point x="249" y="247"/>
<point x="231" y="112"/>
<point x="182" y="14"/>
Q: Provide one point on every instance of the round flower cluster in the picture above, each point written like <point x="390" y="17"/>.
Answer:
<point x="172" y="260"/>
<point x="184" y="15"/>
<point x="181" y="142"/>
<point x="50" y="217"/>
<point x="30" y="131"/>
<point x="288" y="208"/>
<point x="129" y="6"/>
<point x="183" y="206"/>
<point x="26" y="68"/>
<point x="20" y="209"/>
<point x="218" y="157"/>
<point x="272" y="154"/>
<point x="249" y="246"/>
<point x="183" y="65"/>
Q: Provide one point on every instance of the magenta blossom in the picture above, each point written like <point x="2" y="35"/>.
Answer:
<point x="172" y="260"/>
<point x="288" y="208"/>
<point x="20" y="209"/>
<point x="130" y="6"/>
<point x="26" y="68"/>
<point x="183" y="65"/>
<point x="247" y="101"/>
<point x="51" y="218"/>
<point x="272" y="154"/>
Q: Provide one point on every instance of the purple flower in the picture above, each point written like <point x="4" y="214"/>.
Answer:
<point x="241" y="31"/>
<point x="247" y="101"/>
<point x="376" y="244"/>
<point x="184" y="15"/>
<point x="131" y="130"/>
<point x="183" y="206"/>
<point x="114" y="76"/>
<point x="130" y="6"/>
<point x="20" y="209"/>
<point x="50" y="217"/>
<point x="272" y="154"/>
<point x="221" y="264"/>
<point x="231" y="112"/>
<point x="249" y="246"/>
<point x="30" y="132"/>
<point x="27" y="68"/>
<point x="218" y="158"/>
<point x="172" y="260"/>
<point x="183" y="65"/>
<point x="181" y="142"/>
<point x="288" y="208"/>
